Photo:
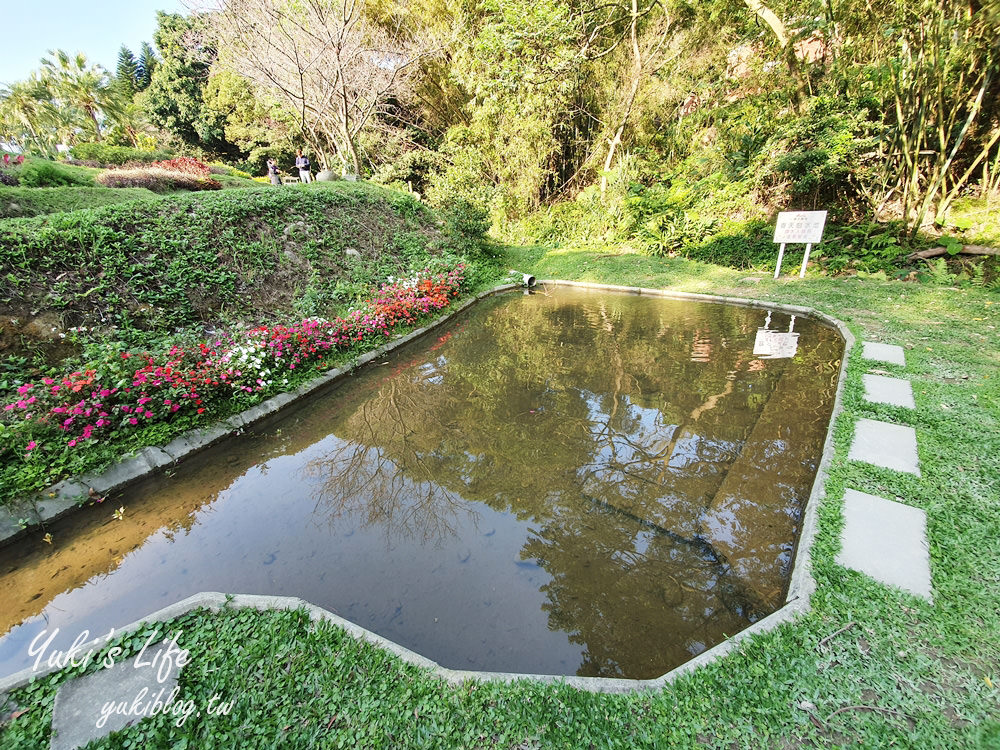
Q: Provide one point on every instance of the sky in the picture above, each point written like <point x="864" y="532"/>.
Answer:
<point x="98" y="28"/>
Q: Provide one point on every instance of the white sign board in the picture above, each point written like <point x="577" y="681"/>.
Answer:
<point x="800" y="226"/>
<point x="775" y="344"/>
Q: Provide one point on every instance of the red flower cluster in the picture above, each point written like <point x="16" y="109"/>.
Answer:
<point x="131" y="390"/>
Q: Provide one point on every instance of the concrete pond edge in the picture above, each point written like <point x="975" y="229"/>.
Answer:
<point x="150" y="460"/>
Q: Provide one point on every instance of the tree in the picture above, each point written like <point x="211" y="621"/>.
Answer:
<point x="127" y="73"/>
<point x="252" y="120"/>
<point x="326" y="61"/>
<point x="174" y="98"/>
<point x="82" y="87"/>
<point x="145" y="67"/>
<point x="648" y="55"/>
<point x="28" y="119"/>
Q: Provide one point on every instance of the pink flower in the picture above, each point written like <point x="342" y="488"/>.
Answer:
<point x="31" y="446"/>
<point x="72" y="443"/>
<point x="133" y="420"/>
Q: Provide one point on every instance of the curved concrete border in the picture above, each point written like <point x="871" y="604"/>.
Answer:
<point x="801" y="584"/>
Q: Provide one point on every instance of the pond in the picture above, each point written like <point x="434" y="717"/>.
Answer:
<point x="568" y="482"/>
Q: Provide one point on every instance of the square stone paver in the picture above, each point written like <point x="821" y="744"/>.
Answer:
<point x="886" y="540"/>
<point x="883" y="352"/>
<point x="893" y="446"/>
<point x="893" y="391"/>
<point x="78" y="706"/>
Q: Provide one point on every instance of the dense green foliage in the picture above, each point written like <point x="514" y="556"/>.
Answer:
<point x="174" y="262"/>
<point x="104" y="153"/>
<point x="174" y="98"/>
<point x="41" y="173"/>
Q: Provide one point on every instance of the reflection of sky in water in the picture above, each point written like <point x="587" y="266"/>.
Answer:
<point x="557" y="484"/>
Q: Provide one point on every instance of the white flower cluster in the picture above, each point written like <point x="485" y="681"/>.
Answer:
<point x="250" y="361"/>
<point x="405" y="283"/>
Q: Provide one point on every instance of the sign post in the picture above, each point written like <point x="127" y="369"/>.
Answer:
<point x="798" y="226"/>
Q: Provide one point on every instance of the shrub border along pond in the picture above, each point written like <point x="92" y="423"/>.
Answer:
<point x="151" y="460"/>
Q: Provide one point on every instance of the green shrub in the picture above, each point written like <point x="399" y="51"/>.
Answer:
<point x="41" y="173"/>
<point x="105" y="154"/>
<point x="738" y="244"/>
<point x="413" y="169"/>
<point x="226" y="170"/>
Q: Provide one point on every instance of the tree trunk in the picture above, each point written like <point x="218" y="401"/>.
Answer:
<point x="633" y="92"/>
<point x="772" y="20"/>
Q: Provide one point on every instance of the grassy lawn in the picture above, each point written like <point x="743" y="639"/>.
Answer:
<point x="900" y="672"/>
<point x="19" y="202"/>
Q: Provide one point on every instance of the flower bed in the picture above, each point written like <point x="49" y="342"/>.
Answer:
<point x="130" y="391"/>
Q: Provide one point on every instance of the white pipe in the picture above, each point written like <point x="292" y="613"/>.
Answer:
<point x="526" y="278"/>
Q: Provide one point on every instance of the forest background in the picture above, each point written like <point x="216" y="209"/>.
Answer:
<point x="678" y="127"/>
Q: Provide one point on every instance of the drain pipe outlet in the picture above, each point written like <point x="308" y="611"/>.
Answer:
<point x="526" y="278"/>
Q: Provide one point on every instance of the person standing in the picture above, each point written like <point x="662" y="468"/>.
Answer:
<point x="272" y="172"/>
<point x="302" y="164"/>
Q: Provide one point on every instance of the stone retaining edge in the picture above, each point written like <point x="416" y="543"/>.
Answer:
<point x="801" y="584"/>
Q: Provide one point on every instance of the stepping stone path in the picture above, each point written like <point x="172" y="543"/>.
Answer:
<point x="884" y="539"/>
<point x="887" y="540"/>
<point x="883" y="353"/>
<point x="78" y="712"/>
<point x="893" y="391"/>
<point x="893" y="446"/>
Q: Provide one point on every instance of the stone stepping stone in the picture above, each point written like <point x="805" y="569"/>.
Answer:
<point x="893" y="446"/>
<point x="887" y="541"/>
<point x="883" y="353"/>
<point x="893" y="391"/>
<point x="81" y="703"/>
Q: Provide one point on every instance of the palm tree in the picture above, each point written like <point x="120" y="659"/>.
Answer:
<point x="28" y="118"/>
<point x="88" y="89"/>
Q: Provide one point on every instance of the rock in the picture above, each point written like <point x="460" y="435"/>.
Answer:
<point x="352" y="253"/>
<point x="46" y="327"/>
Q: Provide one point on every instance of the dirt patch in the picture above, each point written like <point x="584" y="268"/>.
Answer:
<point x="41" y="336"/>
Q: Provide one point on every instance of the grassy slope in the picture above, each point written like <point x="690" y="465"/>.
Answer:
<point x="20" y="202"/>
<point x="298" y="686"/>
<point x="34" y="201"/>
<point x="184" y="259"/>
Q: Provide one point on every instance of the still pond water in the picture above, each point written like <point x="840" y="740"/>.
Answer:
<point x="571" y="482"/>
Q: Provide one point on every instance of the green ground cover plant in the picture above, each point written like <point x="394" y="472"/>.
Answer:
<point x="39" y="173"/>
<point x="20" y="202"/>
<point x="868" y="666"/>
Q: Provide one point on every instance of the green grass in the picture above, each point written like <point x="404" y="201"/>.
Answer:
<point x="19" y="202"/>
<point x="905" y="673"/>
<point x="979" y="218"/>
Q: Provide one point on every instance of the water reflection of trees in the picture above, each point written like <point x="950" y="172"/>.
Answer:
<point x="610" y="424"/>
